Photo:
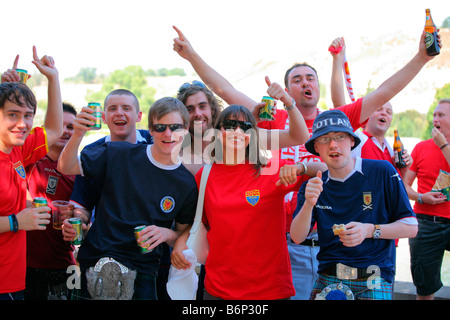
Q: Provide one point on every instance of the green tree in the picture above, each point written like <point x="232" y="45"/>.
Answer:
<point x="85" y="75"/>
<point x="131" y="78"/>
<point x="441" y="93"/>
<point x="446" y="23"/>
<point x="409" y="123"/>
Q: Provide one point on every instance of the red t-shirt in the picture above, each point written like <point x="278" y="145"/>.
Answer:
<point x="299" y="153"/>
<point x="47" y="249"/>
<point x="248" y="257"/>
<point x="13" y="193"/>
<point x="427" y="161"/>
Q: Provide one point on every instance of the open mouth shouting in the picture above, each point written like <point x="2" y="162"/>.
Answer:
<point x="307" y="93"/>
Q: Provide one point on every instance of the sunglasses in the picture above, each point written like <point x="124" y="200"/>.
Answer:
<point x="231" y="124"/>
<point x="187" y="85"/>
<point x="162" y="127"/>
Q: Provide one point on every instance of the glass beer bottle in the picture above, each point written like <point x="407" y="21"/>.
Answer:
<point x="431" y="42"/>
<point x="398" y="151"/>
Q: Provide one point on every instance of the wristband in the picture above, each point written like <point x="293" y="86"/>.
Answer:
<point x="444" y="145"/>
<point x="291" y="107"/>
<point x="13" y="224"/>
<point x="304" y="167"/>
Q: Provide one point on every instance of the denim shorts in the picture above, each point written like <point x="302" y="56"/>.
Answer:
<point x="427" y="252"/>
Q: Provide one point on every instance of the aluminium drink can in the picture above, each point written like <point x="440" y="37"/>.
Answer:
<point x="267" y="112"/>
<point x="76" y="222"/>
<point x="23" y="74"/>
<point x="137" y="230"/>
<point x="40" y="202"/>
<point x="97" y="114"/>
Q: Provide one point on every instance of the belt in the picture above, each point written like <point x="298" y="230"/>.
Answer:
<point x="308" y="242"/>
<point x="436" y="219"/>
<point x="342" y="271"/>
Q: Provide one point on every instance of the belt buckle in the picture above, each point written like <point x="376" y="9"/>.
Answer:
<point x="344" y="272"/>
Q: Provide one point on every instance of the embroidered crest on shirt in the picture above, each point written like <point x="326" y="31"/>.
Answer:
<point x="167" y="204"/>
<point x="52" y="183"/>
<point x="367" y="197"/>
<point x="252" y="196"/>
<point x="18" y="166"/>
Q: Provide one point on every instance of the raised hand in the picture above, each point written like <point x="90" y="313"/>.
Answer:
<point x="11" y="75"/>
<point x="45" y="65"/>
<point x="182" y="46"/>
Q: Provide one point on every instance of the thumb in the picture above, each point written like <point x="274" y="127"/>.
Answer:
<point x="268" y="81"/>
<point x="319" y="174"/>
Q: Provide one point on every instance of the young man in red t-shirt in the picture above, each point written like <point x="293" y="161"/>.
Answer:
<point x="20" y="145"/>
<point x="48" y="255"/>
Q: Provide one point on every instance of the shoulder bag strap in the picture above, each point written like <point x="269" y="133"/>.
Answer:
<point x="201" y="196"/>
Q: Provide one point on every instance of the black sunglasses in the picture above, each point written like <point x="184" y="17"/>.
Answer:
<point x="172" y="127"/>
<point x="231" y="124"/>
<point x="187" y="85"/>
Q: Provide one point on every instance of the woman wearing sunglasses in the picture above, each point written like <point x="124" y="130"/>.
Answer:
<point x="243" y="211"/>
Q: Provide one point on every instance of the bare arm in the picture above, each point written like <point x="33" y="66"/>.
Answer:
<point x="53" y="121"/>
<point x="218" y="84"/>
<point x="397" y="82"/>
<point x="301" y="224"/>
<point x="337" y="83"/>
<point x="68" y="162"/>
<point x="428" y="197"/>
<point x="440" y="140"/>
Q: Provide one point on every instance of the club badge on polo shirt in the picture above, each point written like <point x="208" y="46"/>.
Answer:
<point x="252" y="196"/>
<point x="52" y="183"/>
<point x="367" y="198"/>
<point x="167" y="204"/>
<point x="18" y="166"/>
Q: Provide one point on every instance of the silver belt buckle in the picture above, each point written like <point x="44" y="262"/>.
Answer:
<point x="344" y="272"/>
<point x="100" y="263"/>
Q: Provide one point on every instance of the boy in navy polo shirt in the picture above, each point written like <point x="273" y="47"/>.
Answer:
<point x="367" y="197"/>
<point x="143" y="185"/>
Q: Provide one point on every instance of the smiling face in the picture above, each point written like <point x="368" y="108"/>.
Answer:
<point x="380" y="121"/>
<point x="68" y="119"/>
<point x="121" y="115"/>
<point x="441" y="118"/>
<point x="167" y="144"/>
<point x="200" y="113"/>
<point x="15" y="125"/>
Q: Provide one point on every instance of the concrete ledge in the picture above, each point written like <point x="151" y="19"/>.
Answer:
<point x="407" y="291"/>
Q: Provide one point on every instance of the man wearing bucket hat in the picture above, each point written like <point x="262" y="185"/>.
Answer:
<point x="366" y="199"/>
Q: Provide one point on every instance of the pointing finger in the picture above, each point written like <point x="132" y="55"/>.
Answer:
<point x="180" y="34"/>
<point x="35" y="56"/>
<point x="16" y="62"/>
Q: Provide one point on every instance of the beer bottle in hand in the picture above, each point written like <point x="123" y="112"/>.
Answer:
<point x="398" y="151"/>
<point x="431" y="42"/>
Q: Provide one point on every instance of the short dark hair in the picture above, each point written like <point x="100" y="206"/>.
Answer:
<point x="166" y="105"/>
<point x="18" y="93"/>
<point x="296" y="65"/>
<point x="68" y="107"/>
<point x="123" y="92"/>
